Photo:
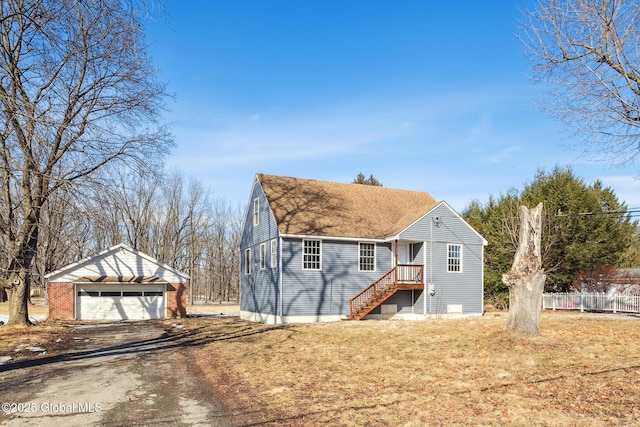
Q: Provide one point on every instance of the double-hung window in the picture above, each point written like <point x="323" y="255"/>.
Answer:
<point x="454" y="258"/>
<point x="256" y="211"/>
<point x="311" y="254"/>
<point x="247" y="261"/>
<point x="367" y="257"/>
<point x="274" y="253"/>
<point x="263" y="256"/>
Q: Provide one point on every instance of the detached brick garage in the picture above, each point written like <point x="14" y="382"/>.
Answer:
<point x="119" y="283"/>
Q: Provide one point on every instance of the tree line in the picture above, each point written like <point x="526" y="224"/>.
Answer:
<point x="165" y="215"/>
<point x="584" y="227"/>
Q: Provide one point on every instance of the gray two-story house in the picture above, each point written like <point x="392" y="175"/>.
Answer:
<point x="316" y="250"/>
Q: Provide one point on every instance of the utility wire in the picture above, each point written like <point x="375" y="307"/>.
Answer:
<point x="631" y="212"/>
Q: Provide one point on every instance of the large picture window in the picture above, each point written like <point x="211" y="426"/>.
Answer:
<point x="367" y="257"/>
<point x="311" y="254"/>
<point x="454" y="258"/>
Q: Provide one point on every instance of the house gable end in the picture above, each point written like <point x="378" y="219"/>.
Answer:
<point x="266" y="228"/>
<point x="428" y="226"/>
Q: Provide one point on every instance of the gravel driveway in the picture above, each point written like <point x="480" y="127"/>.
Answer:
<point x="131" y="373"/>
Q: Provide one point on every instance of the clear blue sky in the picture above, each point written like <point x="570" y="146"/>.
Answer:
<point x="425" y="95"/>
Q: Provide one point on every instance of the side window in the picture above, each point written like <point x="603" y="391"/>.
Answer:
<point x="311" y="254"/>
<point x="454" y="258"/>
<point x="263" y="255"/>
<point x="366" y="257"/>
<point x="256" y="211"/>
<point x="247" y="261"/>
<point x="274" y="253"/>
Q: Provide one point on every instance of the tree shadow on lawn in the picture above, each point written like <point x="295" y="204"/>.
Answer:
<point x="170" y="338"/>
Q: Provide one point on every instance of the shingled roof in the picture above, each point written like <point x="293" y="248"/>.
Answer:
<point x="323" y="208"/>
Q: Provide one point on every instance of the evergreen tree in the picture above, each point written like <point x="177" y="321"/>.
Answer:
<point x="583" y="226"/>
<point x="360" y="179"/>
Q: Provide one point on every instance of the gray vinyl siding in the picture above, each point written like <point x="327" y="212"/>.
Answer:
<point x="452" y="288"/>
<point x="451" y="228"/>
<point x="405" y="301"/>
<point x="259" y="291"/>
<point x="327" y="291"/>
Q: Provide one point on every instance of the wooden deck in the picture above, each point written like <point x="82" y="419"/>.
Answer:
<point x="401" y="277"/>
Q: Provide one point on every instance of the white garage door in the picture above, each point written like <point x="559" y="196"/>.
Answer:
<point x="120" y="302"/>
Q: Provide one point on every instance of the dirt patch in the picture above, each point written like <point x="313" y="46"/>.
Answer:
<point x="443" y="372"/>
<point x="213" y="308"/>
<point x="37" y="307"/>
<point x="21" y="342"/>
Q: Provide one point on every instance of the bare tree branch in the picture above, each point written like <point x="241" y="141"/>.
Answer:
<point x="77" y="92"/>
<point x="587" y="53"/>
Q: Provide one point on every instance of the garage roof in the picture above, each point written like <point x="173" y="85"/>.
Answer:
<point x="119" y="263"/>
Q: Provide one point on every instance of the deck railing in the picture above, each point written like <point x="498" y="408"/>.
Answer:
<point x="404" y="274"/>
<point x="591" y="302"/>
<point x="410" y="274"/>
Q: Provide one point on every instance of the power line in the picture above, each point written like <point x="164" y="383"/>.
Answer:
<point x="631" y="212"/>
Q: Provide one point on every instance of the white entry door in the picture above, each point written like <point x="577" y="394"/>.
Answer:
<point x="404" y="253"/>
<point x="120" y="302"/>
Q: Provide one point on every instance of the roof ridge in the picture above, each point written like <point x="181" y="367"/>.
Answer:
<point x="304" y="206"/>
<point x="368" y="186"/>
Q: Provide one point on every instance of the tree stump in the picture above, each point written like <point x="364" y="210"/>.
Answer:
<point x="526" y="278"/>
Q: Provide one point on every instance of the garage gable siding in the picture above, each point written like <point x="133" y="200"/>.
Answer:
<point x="118" y="261"/>
<point x="127" y="280"/>
<point x="121" y="265"/>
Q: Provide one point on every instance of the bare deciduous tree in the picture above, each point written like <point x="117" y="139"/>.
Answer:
<point x="175" y="222"/>
<point x="588" y="51"/>
<point x="77" y="92"/>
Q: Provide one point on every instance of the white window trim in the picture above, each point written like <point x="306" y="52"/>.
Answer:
<point x="448" y="258"/>
<point x="263" y="256"/>
<point x="375" y="254"/>
<point x="319" y="254"/>
<point x="247" y="261"/>
<point x="274" y="253"/>
<point x="256" y="211"/>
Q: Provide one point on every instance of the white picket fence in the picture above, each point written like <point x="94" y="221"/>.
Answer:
<point x="591" y="302"/>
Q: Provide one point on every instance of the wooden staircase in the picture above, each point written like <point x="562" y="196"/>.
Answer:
<point x="404" y="276"/>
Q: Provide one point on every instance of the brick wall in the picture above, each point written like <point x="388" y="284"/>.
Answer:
<point x="176" y="300"/>
<point x="61" y="301"/>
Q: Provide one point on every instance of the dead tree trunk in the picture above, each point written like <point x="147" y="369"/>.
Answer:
<point x="526" y="278"/>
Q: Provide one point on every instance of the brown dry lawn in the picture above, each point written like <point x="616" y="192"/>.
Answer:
<point x="581" y="370"/>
